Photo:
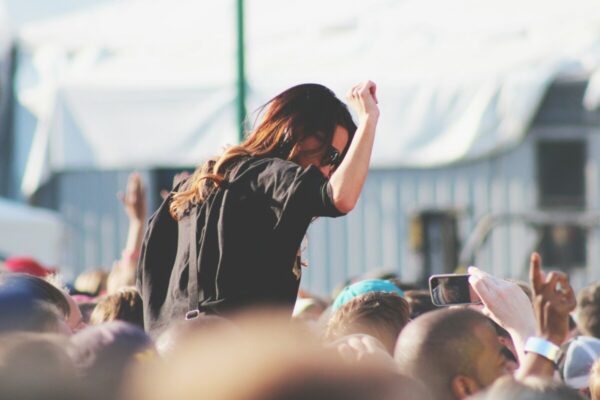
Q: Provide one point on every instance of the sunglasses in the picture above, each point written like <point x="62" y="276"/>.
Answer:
<point x="332" y="157"/>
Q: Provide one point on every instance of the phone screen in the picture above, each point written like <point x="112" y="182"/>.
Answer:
<point x="448" y="290"/>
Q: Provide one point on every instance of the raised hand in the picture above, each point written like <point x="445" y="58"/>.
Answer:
<point x="134" y="199"/>
<point x="363" y="99"/>
<point x="507" y="304"/>
<point x="553" y="300"/>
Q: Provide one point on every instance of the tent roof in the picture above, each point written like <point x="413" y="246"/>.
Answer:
<point x="457" y="79"/>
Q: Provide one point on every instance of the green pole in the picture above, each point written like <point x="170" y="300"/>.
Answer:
<point x="241" y="75"/>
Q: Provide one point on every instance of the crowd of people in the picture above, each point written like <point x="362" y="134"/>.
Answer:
<point x="236" y="327"/>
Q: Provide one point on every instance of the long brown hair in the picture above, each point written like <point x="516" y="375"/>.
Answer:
<point x="287" y="119"/>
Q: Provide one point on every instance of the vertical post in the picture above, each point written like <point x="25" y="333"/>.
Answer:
<point x="241" y="75"/>
<point x="9" y="187"/>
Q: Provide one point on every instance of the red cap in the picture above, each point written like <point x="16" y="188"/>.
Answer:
<point x="27" y="265"/>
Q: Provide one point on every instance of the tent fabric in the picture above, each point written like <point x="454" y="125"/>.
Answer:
<point x="32" y="232"/>
<point x="147" y="84"/>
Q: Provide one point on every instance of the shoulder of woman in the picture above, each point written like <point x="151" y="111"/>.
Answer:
<point x="266" y="164"/>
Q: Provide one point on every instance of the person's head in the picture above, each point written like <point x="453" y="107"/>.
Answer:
<point x="38" y="289"/>
<point x="419" y="302"/>
<point x="36" y="366"/>
<point x="363" y="287"/>
<point x="595" y="381"/>
<point x="269" y="361"/>
<point x="577" y="357"/>
<point x="588" y="310"/>
<point x="125" y="305"/>
<point x="103" y="353"/>
<point x="20" y="312"/>
<point x="43" y="290"/>
<point x="306" y="124"/>
<point x="381" y="315"/>
<point x="455" y="352"/>
<point x="530" y="388"/>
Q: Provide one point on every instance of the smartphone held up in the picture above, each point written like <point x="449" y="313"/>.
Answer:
<point x="452" y="289"/>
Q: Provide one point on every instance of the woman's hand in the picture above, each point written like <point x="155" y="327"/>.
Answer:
<point x="363" y="99"/>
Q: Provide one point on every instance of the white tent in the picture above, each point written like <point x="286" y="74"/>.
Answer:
<point x="32" y="232"/>
<point x="152" y="83"/>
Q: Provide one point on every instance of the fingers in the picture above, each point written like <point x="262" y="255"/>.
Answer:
<point x="352" y="93"/>
<point x="474" y="271"/>
<point x="363" y="91"/>
<point x="558" y="285"/>
<point x="481" y="288"/>
<point x="367" y="89"/>
<point x="489" y="278"/>
<point x="568" y="293"/>
<point x="134" y="183"/>
<point x="134" y="189"/>
<point x="553" y="279"/>
<point x="141" y="189"/>
<point x="373" y="91"/>
<point x="536" y="277"/>
<point x="558" y="282"/>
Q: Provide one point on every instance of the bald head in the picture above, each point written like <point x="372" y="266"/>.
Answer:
<point x="442" y="345"/>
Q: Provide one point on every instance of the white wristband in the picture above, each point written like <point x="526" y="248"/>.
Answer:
<point x="542" y="347"/>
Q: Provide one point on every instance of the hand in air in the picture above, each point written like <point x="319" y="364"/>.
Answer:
<point x="503" y="301"/>
<point x="506" y="304"/>
<point x="553" y="300"/>
<point x="363" y="99"/>
<point x="134" y="200"/>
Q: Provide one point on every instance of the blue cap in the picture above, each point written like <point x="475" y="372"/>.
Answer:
<point x="363" y="287"/>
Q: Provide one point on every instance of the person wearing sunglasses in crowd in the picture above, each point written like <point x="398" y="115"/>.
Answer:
<point x="251" y="207"/>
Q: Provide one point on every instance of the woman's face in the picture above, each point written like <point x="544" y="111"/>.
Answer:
<point x="312" y="156"/>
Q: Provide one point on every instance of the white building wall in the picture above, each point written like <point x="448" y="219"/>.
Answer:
<point x="375" y="234"/>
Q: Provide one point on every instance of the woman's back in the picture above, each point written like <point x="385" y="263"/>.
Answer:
<point x="249" y="231"/>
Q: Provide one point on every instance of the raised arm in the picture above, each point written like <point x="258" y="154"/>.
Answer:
<point x="134" y="203"/>
<point x="506" y="304"/>
<point x="348" y="179"/>
<point x="553" y="301"/>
